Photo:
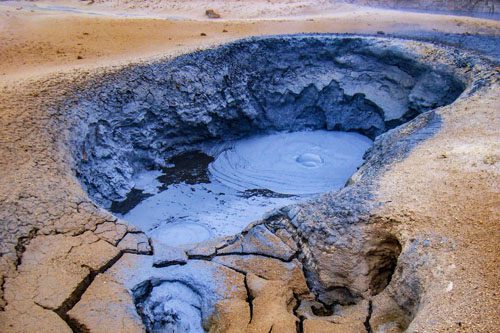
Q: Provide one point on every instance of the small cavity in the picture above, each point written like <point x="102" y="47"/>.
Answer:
<point x="171" y="307"/>
<point x="382" y="261"/>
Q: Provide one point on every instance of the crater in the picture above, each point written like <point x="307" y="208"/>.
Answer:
<point x="197" y="147"/>
<point x="282" y="118"/>
<point x="169" y="307"/>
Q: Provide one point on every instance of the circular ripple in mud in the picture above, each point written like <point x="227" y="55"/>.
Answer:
<point x="180" y="233"/>
<point x="291" y="163"/>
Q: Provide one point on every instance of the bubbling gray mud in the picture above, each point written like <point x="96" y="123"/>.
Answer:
<point x="139" y="117"/>
<point x="297" y="163"/>
<point x="140" y="120"/>
<point x="247" y="178"/>
<point x="172" y="307"/>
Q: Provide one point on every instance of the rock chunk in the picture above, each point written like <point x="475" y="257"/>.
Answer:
<point x="111" y="232"/>
<point x="166" y="256"/>
<point x="273" y="304"/>
<point x="259" y="240"/>
<point x="209" y="248"/>
<point x="106" y="296"/>
<point x="95" y="255"/>
<point x="212" y="14"/>
<point x="135" y="243"/>
<point x="32" y="319"/>
<point x="58" y="285"/>
<point x="268" y="268"/>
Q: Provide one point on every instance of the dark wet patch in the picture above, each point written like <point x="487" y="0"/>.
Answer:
<point x="257" y="192"/>
<point x="321" y="310"/>
<point x="134" y="197"/>
<point x="190" y="167"/>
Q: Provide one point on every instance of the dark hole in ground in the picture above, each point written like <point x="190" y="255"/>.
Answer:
<point x="321" y="310"/>
<point x="382" y="261"/>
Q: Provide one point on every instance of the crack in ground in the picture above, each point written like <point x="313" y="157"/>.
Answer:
<point x="368" y="317"/>
<point x="21" y="245"/>
<point x="300" y="322"/>
<point x="249" y="299"/>
<point x="3" y="302"/>
<point x="20" y="248"/>
<point x="283" y="221"/>
<point x="79" y="291"/>
<point x="259" y="254"/>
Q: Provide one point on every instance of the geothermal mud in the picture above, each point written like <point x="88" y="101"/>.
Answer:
<point x="221" y="193"/>
<point x="144" y="117"/>
<point x="297" y="163"/>
<point x="329" y="263"/>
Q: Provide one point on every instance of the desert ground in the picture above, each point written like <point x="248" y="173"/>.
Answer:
<point x="62" y="255"/>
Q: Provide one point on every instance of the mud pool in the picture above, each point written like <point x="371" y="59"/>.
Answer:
<point x="219" y="191"/>
<point x="202" y="145"/>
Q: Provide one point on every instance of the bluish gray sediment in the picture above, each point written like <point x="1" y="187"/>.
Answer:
<point x="139" y="117"/>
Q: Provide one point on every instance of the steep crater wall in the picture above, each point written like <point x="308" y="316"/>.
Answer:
<point x="140" y="116"/>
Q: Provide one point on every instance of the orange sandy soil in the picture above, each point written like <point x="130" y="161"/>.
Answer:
<point x="39" y="42"/>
